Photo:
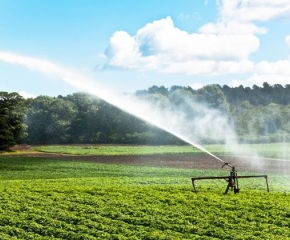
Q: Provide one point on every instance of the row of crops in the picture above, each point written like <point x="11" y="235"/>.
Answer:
<point x="51" y="199"/>
<point x="272" y="150"/>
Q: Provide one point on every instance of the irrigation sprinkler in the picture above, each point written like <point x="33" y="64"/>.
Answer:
<point x="232" y="179"/>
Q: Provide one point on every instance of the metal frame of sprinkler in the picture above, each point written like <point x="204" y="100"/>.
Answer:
<point x="232" y="179"/>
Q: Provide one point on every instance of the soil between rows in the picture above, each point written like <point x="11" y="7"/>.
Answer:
<point x="186" y="161"/>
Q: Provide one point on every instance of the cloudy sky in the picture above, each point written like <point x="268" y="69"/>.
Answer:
<point x="131" y="45"/>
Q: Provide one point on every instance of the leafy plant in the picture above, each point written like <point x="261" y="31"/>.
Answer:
<point x="52" y="199"/>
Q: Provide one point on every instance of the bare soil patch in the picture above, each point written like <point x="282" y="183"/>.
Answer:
<point x="186" y="161"/>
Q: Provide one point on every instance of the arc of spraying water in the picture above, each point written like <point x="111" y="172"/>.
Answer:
<point x="86" y="84"/>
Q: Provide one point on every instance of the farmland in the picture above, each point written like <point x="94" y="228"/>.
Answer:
<point x="50" y="198"/>
<point x="273" y="150"/>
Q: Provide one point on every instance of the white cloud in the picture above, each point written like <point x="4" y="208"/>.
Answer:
<point x="232" y="27"/>
<point x="254" y="10"/>
<point x="219" y="48"/>
<point x="123" y="51"/>
<point x="244" y="12"/>
<point x="270" y="72"/>
<point x="281" y="67"/>
<point x="190" y="67"/>
<point x="211" y="68"/>
<point x="259" y="79"/>
<point x="226" y="67"/>
<point x="161" y="37"/>
<point x="161" y="46"/>
<point x="238" y="15"/>
<point x="122" y="45"/>
<point x="196" y="86"/>
<point x="27" y="95"/>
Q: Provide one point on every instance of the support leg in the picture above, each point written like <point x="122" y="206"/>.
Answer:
<point x="227" y="189"/>
<point x="193" y="186"/>
<point x="267" y="184"/>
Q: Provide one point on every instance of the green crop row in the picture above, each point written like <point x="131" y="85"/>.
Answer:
<point x="116" y="150"/>
<point x="273" y="150"/>
<point x="67" y="210"/>
<point x="52" y="199"/>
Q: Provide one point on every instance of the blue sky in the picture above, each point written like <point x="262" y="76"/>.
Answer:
<point x="131" y="45"/>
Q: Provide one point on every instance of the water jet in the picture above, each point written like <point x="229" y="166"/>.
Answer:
<point x="133" y="106"/>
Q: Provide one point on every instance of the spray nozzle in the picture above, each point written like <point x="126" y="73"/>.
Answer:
<point x="228" y="164"/>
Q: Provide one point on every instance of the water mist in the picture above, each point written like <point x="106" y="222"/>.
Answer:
<point x="207" y="123"/>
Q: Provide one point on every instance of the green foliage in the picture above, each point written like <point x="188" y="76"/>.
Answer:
<point x="213" y="96"/>
<point x="272" y="150"/>
<point x="258" y="95"/>
<point x="51" y="199"/>
<point x="49" y="120"/>
<point x="6" y="135"/>
<point x="258" y="114"/>
<point x="261" y="123"/>
<point x="12" y="111"/>
<point x="121" y="150"/>
<point x="82" y="118"/>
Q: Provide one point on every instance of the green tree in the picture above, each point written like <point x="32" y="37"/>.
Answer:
<point x="158" y="90"/>
<point x="88" y="120"/>
<point x="39" y="121"/>
<point x="12" y="111"/>
<point x="49" y="120"/>
<point x="63" y="114"/>
<point x="213" y="96"/>
<point x="6" y="135"/>
<point x="157" y="99"/>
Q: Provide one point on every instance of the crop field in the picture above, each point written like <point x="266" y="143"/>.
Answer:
<point x="116" y="150"/>
<point x="273" y="150"/>
<point x="43" y="198"/>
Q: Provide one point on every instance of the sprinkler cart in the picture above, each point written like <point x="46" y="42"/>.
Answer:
<point x="232" y="179"/>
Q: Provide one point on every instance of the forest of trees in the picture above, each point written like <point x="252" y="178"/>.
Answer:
<point x="258" y="114"/>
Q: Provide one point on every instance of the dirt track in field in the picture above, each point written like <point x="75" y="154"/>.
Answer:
<point x="186" y="161"/>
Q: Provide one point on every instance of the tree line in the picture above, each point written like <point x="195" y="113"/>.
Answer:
<point x="258" y="114"/>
